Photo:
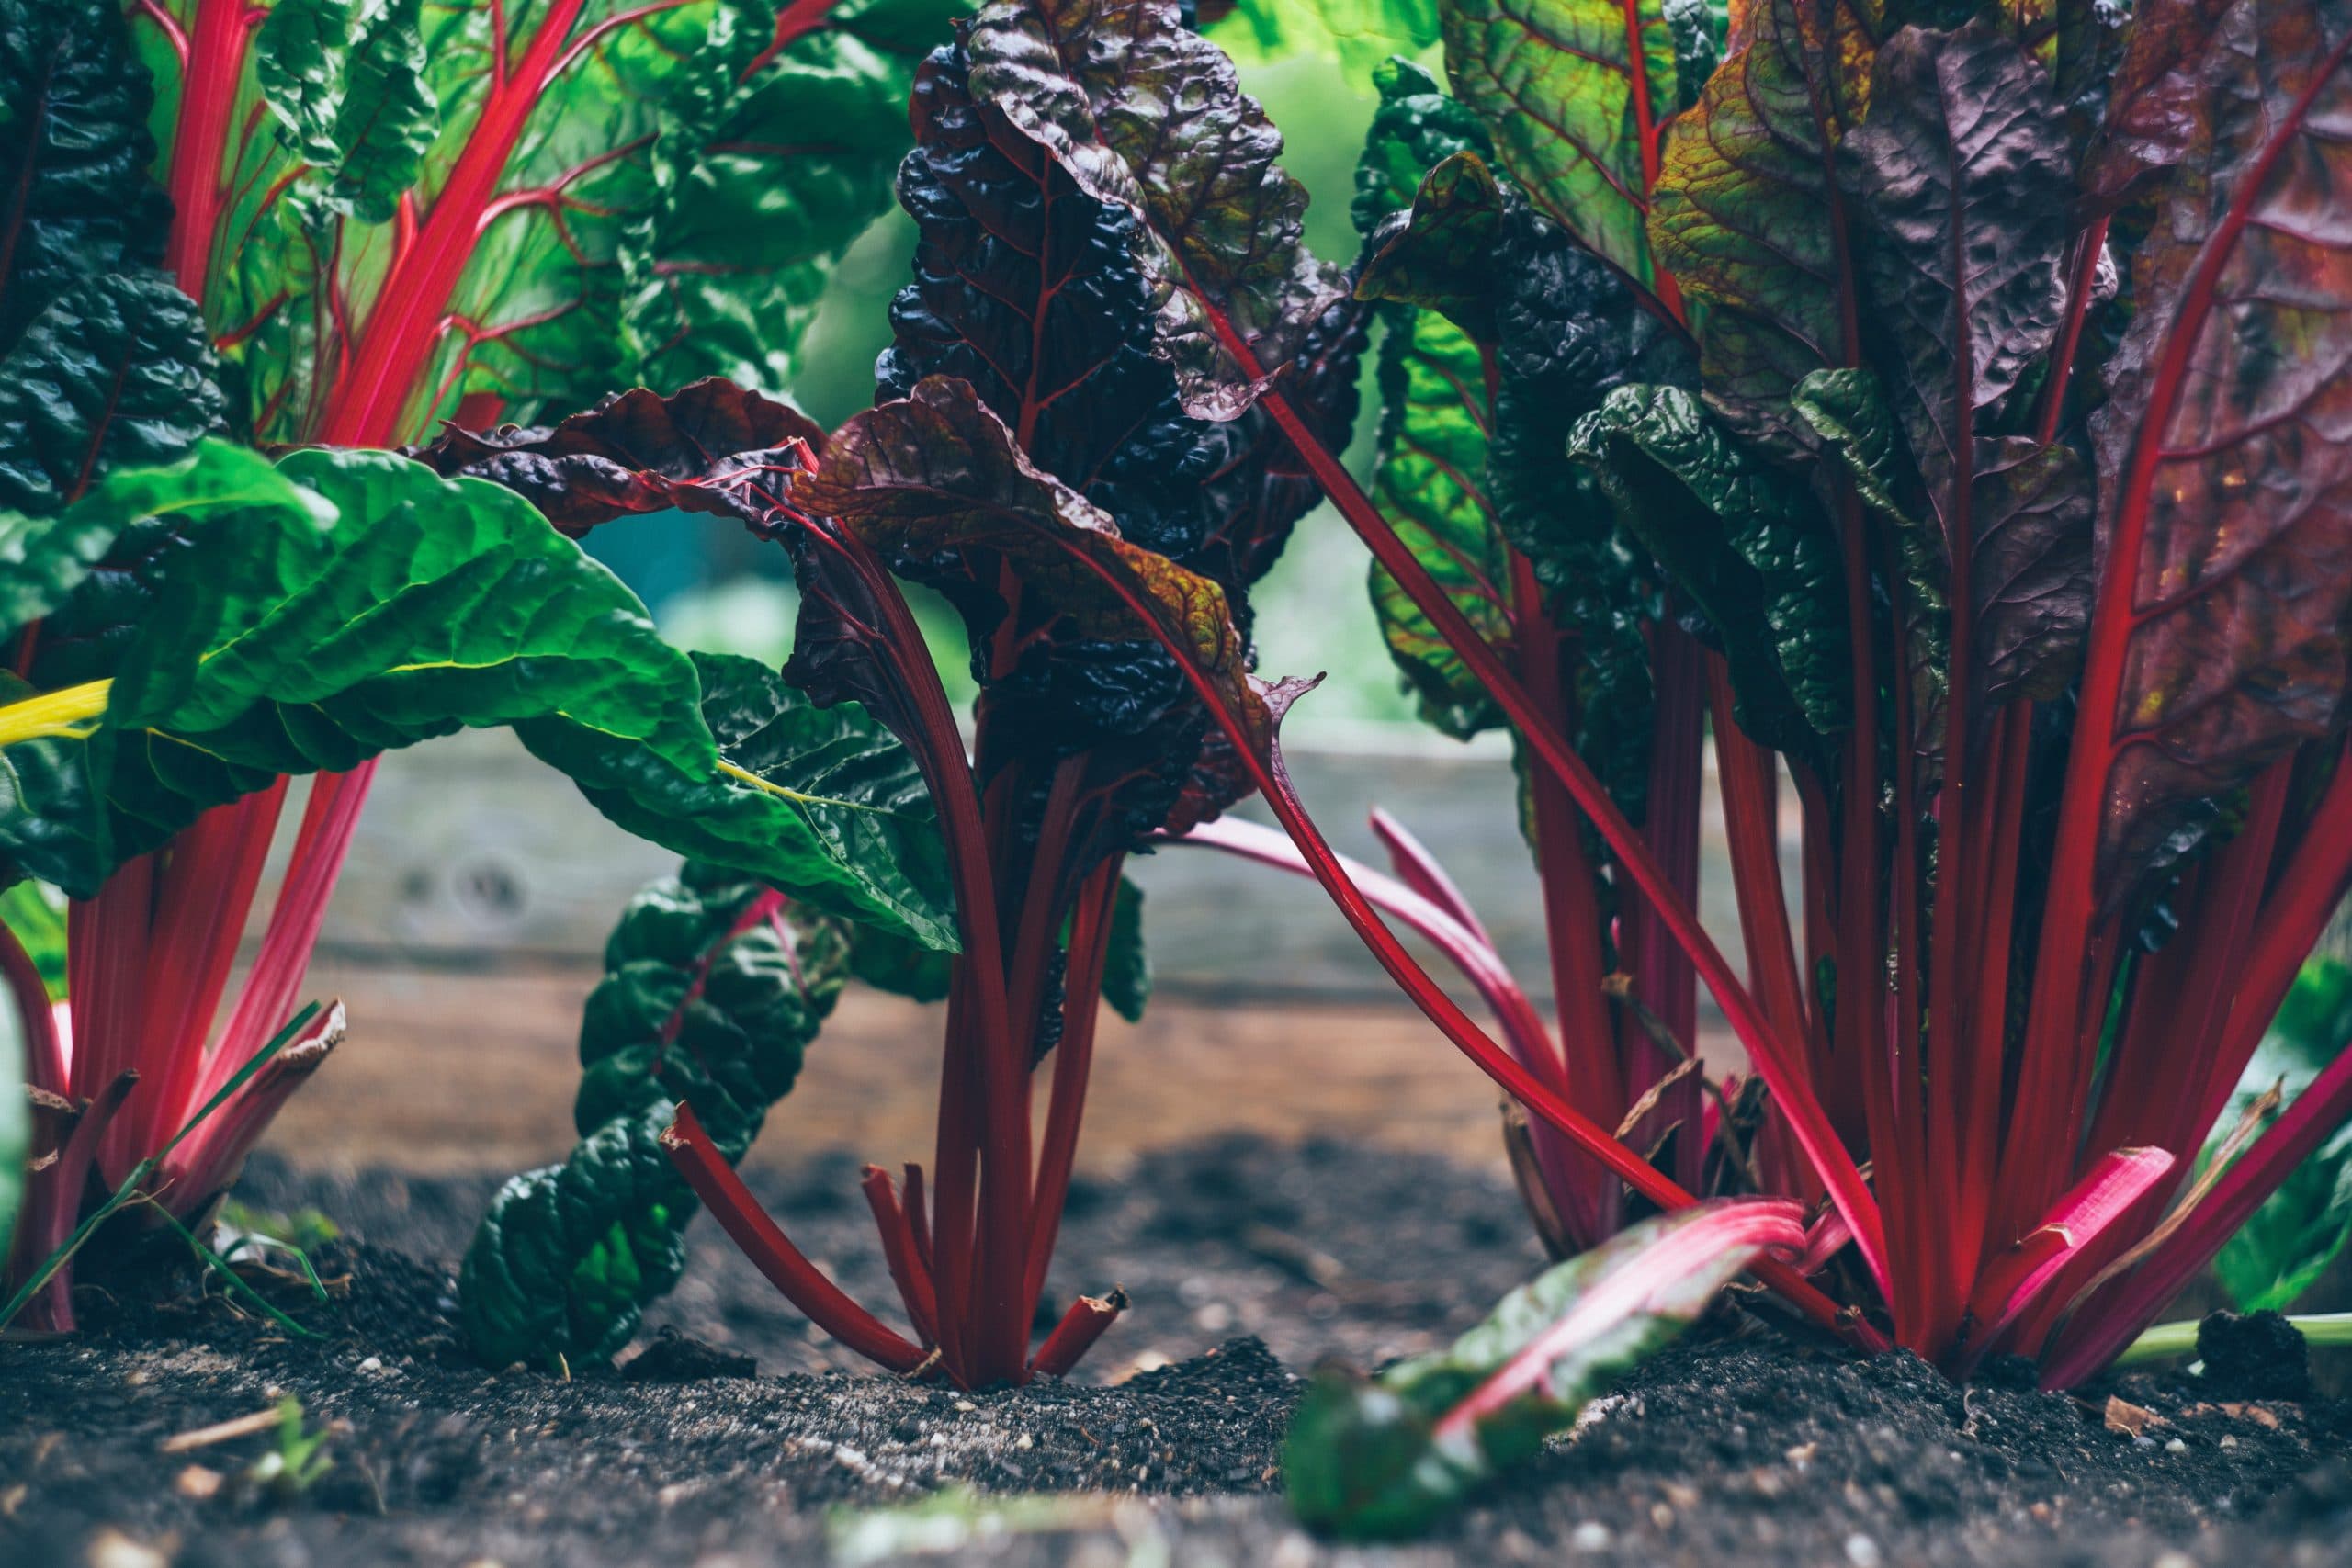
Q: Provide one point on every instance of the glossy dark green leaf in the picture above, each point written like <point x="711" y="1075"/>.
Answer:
<point x="822" y="803"/>
<point x="1746" y="546"/>
<point x="1388" y="1456"/>
<point x="713" y="990"/>
<point x="75" y="197"/>
<point x="300" y="52"/>
<point x="114" y="372"/>
<point x="1416" y="127"/>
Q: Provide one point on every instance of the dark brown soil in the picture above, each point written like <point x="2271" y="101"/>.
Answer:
<point x="1244" y="1259"/>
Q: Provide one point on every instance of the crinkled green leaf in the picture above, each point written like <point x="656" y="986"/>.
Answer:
<point x="713" y="989"/>
<point x="1148" y="116"/>
<point x="1389" y="1456"/>
<point x="1566" y="88"/>
<point x="1746" y="546"/>
<point x="840" y="818"/>
<point x="114" y="372"/>
<point x="75" y="198"/>
<point x="388" y="114"/>
<point x="1416" y="127"/>
<point x="300" y="54"/>
<point x="762" y="185"/>
<point x="287" y="645"/>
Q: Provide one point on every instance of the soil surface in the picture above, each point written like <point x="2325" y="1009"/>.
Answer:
<point x="1247" y="1262"/>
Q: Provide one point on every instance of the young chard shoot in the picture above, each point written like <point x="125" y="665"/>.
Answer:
<point x="1384" y="1457"/>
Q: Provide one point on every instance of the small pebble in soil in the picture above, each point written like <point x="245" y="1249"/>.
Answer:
<point x="1861" y="1551"/>
<point x="112" y="1549"/>
<point x="1590" y="1536"/>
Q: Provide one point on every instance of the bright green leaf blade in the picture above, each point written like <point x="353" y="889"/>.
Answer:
<point x="760" y="190"/>
<point x="346" y="604"/>
<point x="1569" y="92"/>
<point x="1430" y="484"/>
<point x="834" y="812"/>
<point x="1359" y="34"/>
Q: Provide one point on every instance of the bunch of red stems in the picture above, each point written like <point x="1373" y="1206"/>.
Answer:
<point x="970" y="1250"/>
<point x="2028" y="1190"/>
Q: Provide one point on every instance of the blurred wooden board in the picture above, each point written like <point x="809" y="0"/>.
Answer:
<point x="473" y="854"/>
<point x="451" y="1070"/>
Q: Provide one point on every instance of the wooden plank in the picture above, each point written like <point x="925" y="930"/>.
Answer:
<point x="473" y="854"/>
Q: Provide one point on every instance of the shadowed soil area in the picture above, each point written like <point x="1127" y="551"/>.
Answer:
<point x="1247" y="1260"/>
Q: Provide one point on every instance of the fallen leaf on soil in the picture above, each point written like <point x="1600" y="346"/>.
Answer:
<point x="2127" y="1419"/>
<point x="2259" y="1415"/>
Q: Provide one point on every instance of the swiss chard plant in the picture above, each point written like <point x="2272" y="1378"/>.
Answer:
<point x="1939" y="409"/>
<point x="324" y="222"/>
<point x="1095" y="512"/>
